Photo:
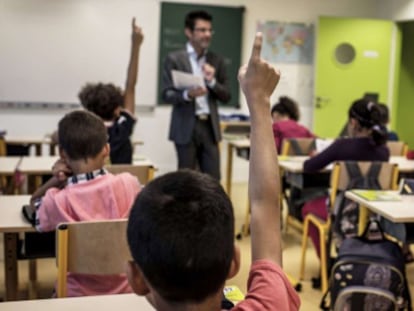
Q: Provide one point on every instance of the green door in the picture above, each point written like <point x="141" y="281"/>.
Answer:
<point x="353" y="57"/>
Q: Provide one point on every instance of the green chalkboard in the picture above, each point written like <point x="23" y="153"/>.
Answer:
<point x="227" y="24"/>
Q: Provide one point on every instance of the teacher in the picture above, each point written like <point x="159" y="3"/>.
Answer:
<point x="195" y="128"/>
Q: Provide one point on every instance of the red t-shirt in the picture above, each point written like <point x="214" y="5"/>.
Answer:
<point x="289" y="129"/>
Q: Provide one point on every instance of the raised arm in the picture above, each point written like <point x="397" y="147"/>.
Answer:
<point x="258" y="80"/>
<point x="136" y="40"/>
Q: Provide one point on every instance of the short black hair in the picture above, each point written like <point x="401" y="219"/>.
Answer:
<point x="102" y="99"/>
<point x="191" y="17"/>
<point x="286" y="107"/>
<point x="368" y="115"/>
<point x="181" y="235"/>
<point x="82" y="135"/>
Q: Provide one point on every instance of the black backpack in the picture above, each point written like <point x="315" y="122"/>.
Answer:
<point x="368" y="274"/>
<point x="346" y="212"/>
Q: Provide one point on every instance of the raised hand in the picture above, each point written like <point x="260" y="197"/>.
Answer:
<point x="137" y="35"/>
<point x="258" y="79"/>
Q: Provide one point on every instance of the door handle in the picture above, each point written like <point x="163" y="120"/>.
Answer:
<point x="321" y="101"/>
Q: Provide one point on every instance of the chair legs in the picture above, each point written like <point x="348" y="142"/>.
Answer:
<point x="323" y="260"/>
<point x="304" y="247"/>
<point x="323" y="252"/>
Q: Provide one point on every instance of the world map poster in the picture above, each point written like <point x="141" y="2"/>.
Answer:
<point x="287" y="42"/>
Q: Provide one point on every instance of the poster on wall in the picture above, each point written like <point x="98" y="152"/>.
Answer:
<point x="290" y="43"/>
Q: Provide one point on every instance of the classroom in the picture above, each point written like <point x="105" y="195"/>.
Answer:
<point x="50" y="49"/>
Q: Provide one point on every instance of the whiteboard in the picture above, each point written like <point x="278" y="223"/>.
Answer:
<point x="49" y="49"/>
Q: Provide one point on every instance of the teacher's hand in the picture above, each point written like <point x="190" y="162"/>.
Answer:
<point x="198" y="91"/>
<point x="209" y="72"/>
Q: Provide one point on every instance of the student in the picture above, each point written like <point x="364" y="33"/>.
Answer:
<point x="181" y="227"/>
<point x="366" y="143"/>
<point x="81" y="189"/>
<point x="385" y="119"/>
<point x="285" y="116"/>
<point x="116" y="108"/>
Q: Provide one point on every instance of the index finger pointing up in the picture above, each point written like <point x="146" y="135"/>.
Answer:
<point x="257" y="47"/>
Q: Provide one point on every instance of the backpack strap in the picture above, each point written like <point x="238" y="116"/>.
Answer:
<point x="371" y="178"/>
<point x="296" y="148"/>
<point x="354" y="173"/>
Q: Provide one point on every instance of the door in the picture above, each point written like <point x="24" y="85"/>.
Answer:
<point x="353" y="57"/>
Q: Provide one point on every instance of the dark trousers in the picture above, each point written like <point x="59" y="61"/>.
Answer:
<point x="202" y="152"/>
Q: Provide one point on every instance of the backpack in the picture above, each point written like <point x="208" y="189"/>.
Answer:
<point x="346" y="212"/>
<point x="369" y="274"/>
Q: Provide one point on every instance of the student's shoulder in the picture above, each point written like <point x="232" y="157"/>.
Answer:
<point x="270" y="287"/>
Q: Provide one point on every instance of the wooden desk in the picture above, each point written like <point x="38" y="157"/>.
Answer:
<point x="11" y="224"/>
<point x="125" y="302"/>
<point x="240" y="145"/>
<point x="36" y="141"/>
<point x="293" y="165"/>
<point x="395" y="211"/>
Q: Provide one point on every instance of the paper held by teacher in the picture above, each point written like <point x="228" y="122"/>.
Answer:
<point x="184" y="80"/>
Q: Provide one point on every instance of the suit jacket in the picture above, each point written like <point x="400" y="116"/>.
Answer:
<point x="183" y="112"/>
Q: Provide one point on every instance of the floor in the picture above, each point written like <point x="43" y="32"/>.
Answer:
<point x="310" y="297"/>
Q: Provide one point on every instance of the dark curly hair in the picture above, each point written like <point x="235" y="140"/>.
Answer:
<point x="102" y="99"/>
<point x="286" y="107"/>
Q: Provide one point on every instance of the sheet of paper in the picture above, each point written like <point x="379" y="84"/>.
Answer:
<point x="184" y="80"/>
<point x="322" y="144"/>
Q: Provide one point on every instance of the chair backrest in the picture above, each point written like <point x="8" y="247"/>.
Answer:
<point x="98" y="247"/>
<point x="340" y="179"/>
<point x="144" y="173"/>
<point x="297" y="146"/>
<point x="397" y="148"/>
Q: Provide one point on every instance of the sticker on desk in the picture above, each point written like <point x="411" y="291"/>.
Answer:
<point x="233" y="293"/>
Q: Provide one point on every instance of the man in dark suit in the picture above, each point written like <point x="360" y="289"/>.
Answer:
<point x="195" y="124"/>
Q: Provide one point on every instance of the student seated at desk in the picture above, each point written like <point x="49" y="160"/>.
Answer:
<point x="385" y="119"/>
<point x="285" y="116"/>
<point x="366" y="143"/>
<point x="81" y="189"/>
<point x="181" y="227"/>
<point x="116" y="108"/>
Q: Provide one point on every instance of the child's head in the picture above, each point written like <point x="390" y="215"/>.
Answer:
<point x="102" y="99"/>
<point x="82" y="135"/>
<point x="285" y="108"/>
<point x="365" y="116"/>
<point x="385" y="114"/>
<point x="181" y="236"/>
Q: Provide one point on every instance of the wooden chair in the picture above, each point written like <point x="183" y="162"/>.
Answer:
<point x="88" y="247"/>
<point x="339" y="182"/>
<point x="397" y="148"/>
<point x="144" y="173"/>
<point x="297" y="146"/>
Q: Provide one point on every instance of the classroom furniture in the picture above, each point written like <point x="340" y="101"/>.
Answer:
<point x="125" y="302"/>
<point x="397" y="148"/>
<point x="339" y="182"/>
<point x="294" y="147"/>
<point x="235" y="128"/>
<point x="401" y="211"/>
<point x="91" y="247"/>
<point x="27" y="140"/>
<point x="144" y="172"/>
<point x="11" y="224"/>
<point x="297" y="146"/>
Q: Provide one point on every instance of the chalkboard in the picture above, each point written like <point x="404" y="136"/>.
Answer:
<point x="227" y="25"/>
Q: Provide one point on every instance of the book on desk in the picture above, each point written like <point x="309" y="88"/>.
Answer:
<point x="378" y="195"/>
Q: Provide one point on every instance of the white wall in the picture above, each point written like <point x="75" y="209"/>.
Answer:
<point x="31" y="28"/>
<point x="398" y="10"/>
